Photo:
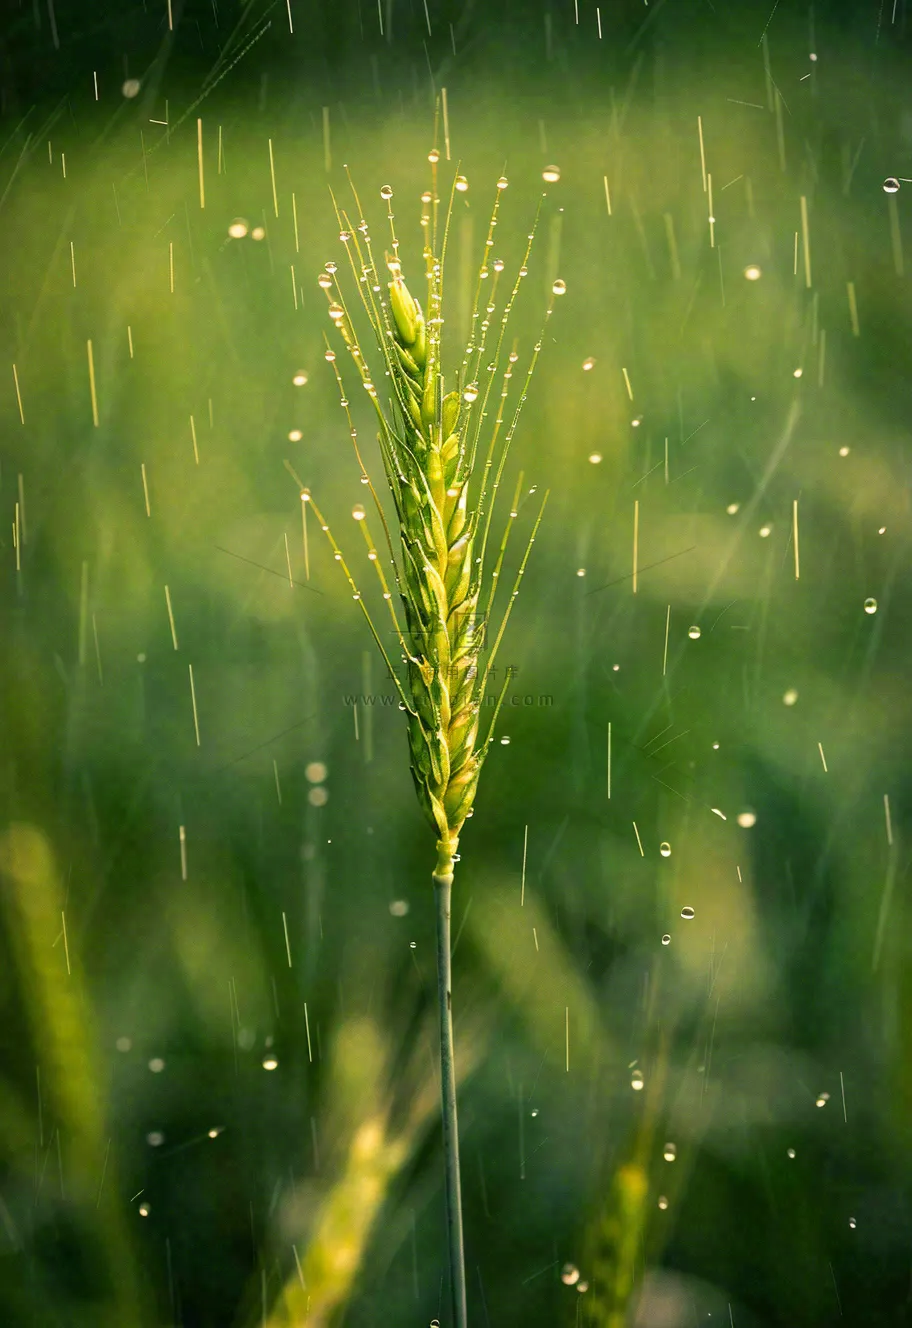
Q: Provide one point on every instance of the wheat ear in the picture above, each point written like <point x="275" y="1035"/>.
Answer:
<point x="429" y="443"/>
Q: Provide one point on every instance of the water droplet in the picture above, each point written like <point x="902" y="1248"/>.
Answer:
<point x="790" y="697"/>
<point x="318" y="796"/>
<point x="399" y="907"/>
<point x="345" y="236"/>
<point x="687" y="913"/>
<point x="870" y="606"/>
<point x="582" y="1287"/>
<point x="144" y="1209"/>
<point x="324" y="281"/>
<point x="413" y="945"/>
<point x="305" y="495"/>
<point x="498" y="266"/>
<point x="665" y="849"/>
<point x="891" y="185"/>
<point x="386" y="191"/>
<point x="433" y="156"/>
<point x="822" y="1099"/>
<point x="551" y="174"/>
<point x="581" y="571"/>
<point x="636" y="1081"/>
<point x="130" y="88"/>
<point x="336" y="312"/>
<point x="790" y="1153"/>
<point x="462" y="184"/>
<point x="694" y="632"/>
<point x="300" y="378"/>
<point x="595" y="458"/>
<point x="258" y="233"/>
<point x="523" y="271"/>
<point x="471" y="393"/>
<point x="666" y="939"/>
<point x="238" y="228"/>
<point x="534" y="1112"/>
<point x="295" y="435"/>
<point x="732" y="508"/>
<point x="216" y="1131"/>
<point x="270" y="1063"/>
<point x="329" y="355"/>
<point x="852" y="1223"/>
<point x="358" y="512"/>
<point x="505" y="741"/>
<point x="560" y="287"/>
<point x="670" y="1152"/>
<point x="569" y="1274"/>
<point x="663" y="1202"/>
<point x="502" y="182"/>
<point x="747" y="818"/>
<point x="764" y="531"/>
<point x="123" y="1044"/>
<point x="156" y="1064"/>
<point x="752" y="272"/>
<point x="155" y="1138"/>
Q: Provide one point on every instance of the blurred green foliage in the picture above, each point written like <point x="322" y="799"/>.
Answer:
<point x="227" y="910"/>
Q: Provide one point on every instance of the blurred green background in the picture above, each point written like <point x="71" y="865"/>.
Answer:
<point x="218" y="1091"/>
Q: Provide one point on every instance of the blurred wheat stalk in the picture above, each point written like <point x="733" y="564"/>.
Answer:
<point x="431" y="444"/>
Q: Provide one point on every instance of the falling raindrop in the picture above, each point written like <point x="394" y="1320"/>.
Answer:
<point x="822" y="1099"/>
<point x="588" y="363"/>
<point x="870" y="606"/>
<point x="300" y="378"/>
<point x="295" y="435"/>
<point x="636" y="1081"/>
<point x="665" y="849"/>
<point x="852" y="1223"/>
<point x="663" y="1202"/>
<point x="752" y="272"/>
<point x="694" y="632"/>
<point x="790" y="697"/>
<point x="670" y="1152"/>
<point x="790" y="1153"/>
<point x="144" y="1209"/>
<point x="505" y="741"/>
<point x="595" y="458"/>
<point x="687" y="913"/>
<point x="270" y="1062"/>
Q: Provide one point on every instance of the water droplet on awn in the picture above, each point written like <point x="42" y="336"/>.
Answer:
<point x="891" y="185"/>
<point x="386" y="191"/>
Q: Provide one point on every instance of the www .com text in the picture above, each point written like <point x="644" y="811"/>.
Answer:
<point x="543" y="700"/>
